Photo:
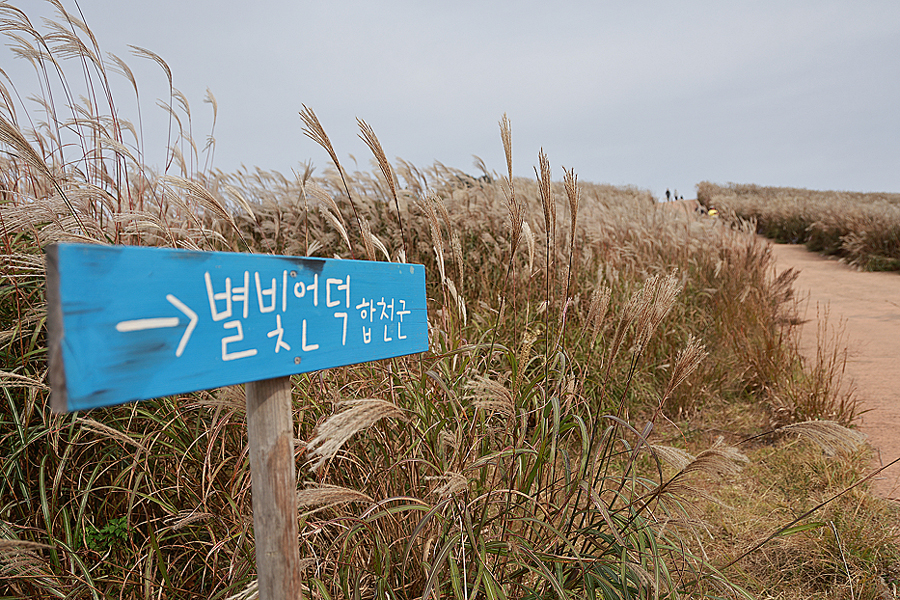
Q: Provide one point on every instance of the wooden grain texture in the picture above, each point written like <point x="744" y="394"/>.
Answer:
<point x="131" y="323"/>
<point x="55" y="335"/>
<point x="275" y="529"/>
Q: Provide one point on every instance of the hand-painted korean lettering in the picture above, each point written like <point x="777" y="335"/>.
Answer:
<point x="303" y="344"/>
<point x="400" y="314"/>
<point x="265" y="307"/>
<point x="300" y="289"/>
<point x="224" y="295"/>
<point x="342" y="315"/>
<point x="279" y="331"/>
<point x="230" y="295"/>
<point x="238" y="337"/>
<point x="367" y="313"/>
<point x="341" y="285"/>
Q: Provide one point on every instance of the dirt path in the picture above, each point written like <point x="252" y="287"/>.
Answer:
<point x="869" y="303"/>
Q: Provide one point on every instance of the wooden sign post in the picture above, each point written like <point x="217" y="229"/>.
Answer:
<point x="130" y="323"/>
<point x="271" y="436"/>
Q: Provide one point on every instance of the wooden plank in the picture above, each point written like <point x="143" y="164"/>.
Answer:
<point x="275" y="529"/>
<point x="132" y="323"/>
<point x="57" y="371"/>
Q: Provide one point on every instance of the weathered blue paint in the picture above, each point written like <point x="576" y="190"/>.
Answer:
<point x="131" y="323"/>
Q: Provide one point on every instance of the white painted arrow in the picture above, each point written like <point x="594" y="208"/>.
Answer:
<point x="164" y="322"/>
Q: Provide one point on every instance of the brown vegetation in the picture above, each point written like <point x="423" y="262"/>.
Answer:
<point x="531" y="453"/>
<point x="863" y="229"/>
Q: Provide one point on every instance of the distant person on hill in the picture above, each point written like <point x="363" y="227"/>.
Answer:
<point x="668" y="195"/>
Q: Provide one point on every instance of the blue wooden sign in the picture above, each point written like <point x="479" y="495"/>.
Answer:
<point x="131" y="323"/>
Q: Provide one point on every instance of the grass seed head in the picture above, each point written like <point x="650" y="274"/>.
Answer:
<point x="830" y="436"/>
<point x="340" y="427"/>
<point x="322" y="495"/>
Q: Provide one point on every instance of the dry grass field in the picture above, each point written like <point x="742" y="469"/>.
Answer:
<point x="613" y="405"/>
<point x="863" y="229"/>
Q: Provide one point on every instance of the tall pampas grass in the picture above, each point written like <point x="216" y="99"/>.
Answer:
<point x="313" y="130"/>
<point x="371" y="140"/>
<point x="356" y="416"/>
<point x="862" y="228"/>
<point x="491" y="466"/>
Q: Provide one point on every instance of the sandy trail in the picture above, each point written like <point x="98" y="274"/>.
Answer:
<point x="869" y="304"/>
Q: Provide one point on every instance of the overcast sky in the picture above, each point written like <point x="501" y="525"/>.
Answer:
<point x="652" y="94"/>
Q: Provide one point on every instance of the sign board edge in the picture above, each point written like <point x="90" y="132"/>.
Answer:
<point x="55" y="333"/>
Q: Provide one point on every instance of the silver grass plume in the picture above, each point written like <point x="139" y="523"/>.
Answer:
<point x="12" y="137"/>
<point x="529" y="242"/>
<point x="656" y="302"/>
<point x="105" y="430"/>
<point x="379" y="245"/>
<point x="204" y="198"/>
<point x="458" y="300"/>
<point x="831" y="437"/>
<point x="573" y="193"/>
<point x="676" y="458"/>
<point x="449" y="484"/>
<point x="323" y="197"/>
<point x="687" y="361"/>
<point x="367" y="239"/>
<point x="313" y="130"/>
<point x="597" y="311"/>
<point x="340" y="427"/>
<point x="719" y="460"/>
<point x="523" y="358"/>
<point x="368" y="136"/>
<point x="548" y="206"/>
<point x="456" y="247"/>
<point x="491" y="396"/>
<point x="336" y="221"/>
<point x="186" y="517"/>
<point x="432" y="200"/>
<point x="628" y="315"/>
<point x="322" y="495"/>
<point x="515" y="208"/>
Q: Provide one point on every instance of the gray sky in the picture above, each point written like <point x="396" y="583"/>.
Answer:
<point x="653" y="94"/>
